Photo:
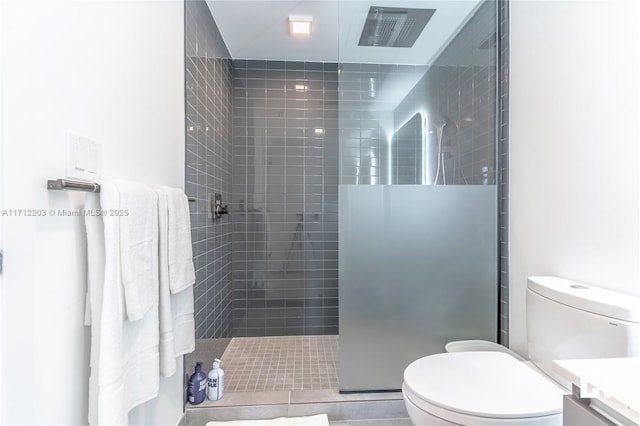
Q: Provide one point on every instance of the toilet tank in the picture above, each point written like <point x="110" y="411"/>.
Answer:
<point x="569" y="320"/>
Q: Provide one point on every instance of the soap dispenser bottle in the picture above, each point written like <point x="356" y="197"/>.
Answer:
<point x="215" y="382"/>
<point x="485" y="175"/>
<point x="197" y="385"/>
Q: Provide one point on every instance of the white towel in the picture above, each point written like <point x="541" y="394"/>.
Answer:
<point x="184" y="327"/>
<point x="167" y="348"/>
<point x="95" y="284"/>
<point x="177" y="326"/>
<point x="124" y="354"/>
<point x="180" y="256"/>
<point x="138" y="218"/>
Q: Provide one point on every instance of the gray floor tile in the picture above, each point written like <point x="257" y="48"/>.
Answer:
<point x="350" y="410"/>
<point x="334" y="395"/>
<point x="258" y="364"/>
<point x="200" y="416"/>
<point x="231" y="399"/>
<point x="373" y="422"/>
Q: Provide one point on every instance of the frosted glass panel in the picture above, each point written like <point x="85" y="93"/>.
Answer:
<point x="418" y="269"/>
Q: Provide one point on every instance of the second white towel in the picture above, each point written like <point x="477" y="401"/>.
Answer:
<point x="135" y="211"/>
<point x="179" y="252"/>
<point x="177" y="326"/>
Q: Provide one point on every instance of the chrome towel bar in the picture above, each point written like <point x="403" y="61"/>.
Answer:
<point x="78" y="185"/>
<point x="73" y="185"/>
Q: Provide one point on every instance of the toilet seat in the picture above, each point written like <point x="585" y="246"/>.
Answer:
<point x="482" y="388"/>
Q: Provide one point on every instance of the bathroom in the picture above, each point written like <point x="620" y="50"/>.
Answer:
<point x="115" y="72"/>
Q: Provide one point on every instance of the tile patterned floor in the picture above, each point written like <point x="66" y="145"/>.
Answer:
<point x="258" y="364"/>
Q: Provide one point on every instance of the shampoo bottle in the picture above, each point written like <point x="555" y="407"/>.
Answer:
<point x="215" y="382"/>
<point x="197" y="385"/>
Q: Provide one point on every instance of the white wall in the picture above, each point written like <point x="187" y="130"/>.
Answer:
<point x="112" y="71"/>
<point x="1" y="208"/>
<point x="574" y="166"/>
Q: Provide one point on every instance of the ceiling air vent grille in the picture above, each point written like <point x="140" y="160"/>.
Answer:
<point x="394" y="26"/>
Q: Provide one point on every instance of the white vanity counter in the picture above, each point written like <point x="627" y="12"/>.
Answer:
<point x="614" y="382"/>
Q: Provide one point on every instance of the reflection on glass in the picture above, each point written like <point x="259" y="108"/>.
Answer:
<point x="452" y="87"/>
<point x="408" y="153"/>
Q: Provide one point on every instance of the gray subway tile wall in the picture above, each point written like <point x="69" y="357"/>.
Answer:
<point x="208" y="79"/>
<point x="363" y="143"/>
<point x="285" y="198"/>
<point x="367" y="93"/>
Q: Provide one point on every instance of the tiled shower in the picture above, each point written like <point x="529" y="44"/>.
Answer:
<point x="265" y="135"/>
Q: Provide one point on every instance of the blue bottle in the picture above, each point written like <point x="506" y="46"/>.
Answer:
<point x="197" y="385"/>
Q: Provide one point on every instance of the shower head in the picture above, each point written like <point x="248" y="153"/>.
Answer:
<point x="440" y="121"/>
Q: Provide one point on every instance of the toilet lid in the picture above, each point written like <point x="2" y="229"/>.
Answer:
<point x="483" y="384"/>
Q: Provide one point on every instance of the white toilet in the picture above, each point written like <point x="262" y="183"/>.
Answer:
<point x="565" y="320"/>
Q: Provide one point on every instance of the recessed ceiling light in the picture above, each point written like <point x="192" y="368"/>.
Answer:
<point x="300" y="25"/>
<point x="301" y="88"/>
<point x="318" y="131"/>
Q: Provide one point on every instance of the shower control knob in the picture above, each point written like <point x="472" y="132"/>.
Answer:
<point x="215" y="206"/>
<point x="222" y="210"/>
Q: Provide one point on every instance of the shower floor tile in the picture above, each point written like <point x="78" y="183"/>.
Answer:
<point x="259" y="364"/>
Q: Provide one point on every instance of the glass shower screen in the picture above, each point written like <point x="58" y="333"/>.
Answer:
<point x="417" y="270"/>
<point x="418" y="220"/>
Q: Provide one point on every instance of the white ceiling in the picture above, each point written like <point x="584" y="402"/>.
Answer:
<point x="257" y="29"/>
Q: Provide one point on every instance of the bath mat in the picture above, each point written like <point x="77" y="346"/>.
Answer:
<point x="318" y="420"/>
